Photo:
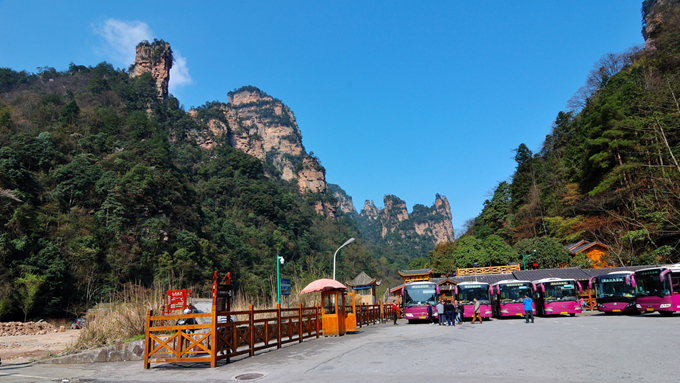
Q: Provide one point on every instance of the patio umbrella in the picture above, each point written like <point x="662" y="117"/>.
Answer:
<point x="323" y="284"/>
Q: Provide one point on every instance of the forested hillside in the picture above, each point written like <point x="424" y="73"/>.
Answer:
<point x="102" y="184"/>
<point x="608" y="171"/>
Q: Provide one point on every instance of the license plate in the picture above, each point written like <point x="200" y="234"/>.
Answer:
<point x="616" y="310"/>
<point x="650" y="309"/>
<point x="518" y="314"/>
<point x="422" y="317"/>
<point x="563" y="313"/>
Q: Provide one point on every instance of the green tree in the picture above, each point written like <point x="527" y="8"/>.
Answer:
<point x="28" y="287"/>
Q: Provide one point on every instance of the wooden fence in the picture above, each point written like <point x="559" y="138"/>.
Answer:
<point x="251" y="331"/>
<point x="372" y="314"/>
<point x="487" y="270"/>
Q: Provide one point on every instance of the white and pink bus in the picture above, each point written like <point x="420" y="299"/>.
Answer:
<point x="466" y="292"/>
<point x="556" y="296"/>
<point x="614" y="292"/>
<point x="508" y="297"/>
<point x="657" y="289"/>
<point x="416" y="296"/>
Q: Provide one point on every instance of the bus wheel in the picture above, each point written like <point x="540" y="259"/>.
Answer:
<point x="572" y="314"/>
<point x="666" y="313"/>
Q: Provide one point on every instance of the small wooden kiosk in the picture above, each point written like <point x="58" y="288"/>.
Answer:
<point x="333" y="301"/>
<point x="334" y="317"/>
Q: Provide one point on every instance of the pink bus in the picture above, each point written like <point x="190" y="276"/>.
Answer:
<point x="416" y="296"/>
<point x="467" y="291"/>
<point x="657" y="289"/>
<point x="508" y="297"/>
<point x="556" y="296"/>
<point x="613" y="292"/>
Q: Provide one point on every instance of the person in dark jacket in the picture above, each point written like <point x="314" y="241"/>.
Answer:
<point x="450" y="312"/>
<point x="430" y="313"/>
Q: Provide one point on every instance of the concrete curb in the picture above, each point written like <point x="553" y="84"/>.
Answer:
<point x="121" y="352"/>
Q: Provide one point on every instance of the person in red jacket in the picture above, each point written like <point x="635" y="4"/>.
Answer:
<point x="395" y="312"/>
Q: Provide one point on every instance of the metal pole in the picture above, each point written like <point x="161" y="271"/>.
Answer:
<point x="336" y="253"/>
<point x="278" y="279"/>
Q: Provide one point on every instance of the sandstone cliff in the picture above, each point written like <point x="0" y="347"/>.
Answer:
<point x="259" y="125"/>
<point x="345" y="203"/>
<point x="154" y="58"/>
<point x="423" y="228"/>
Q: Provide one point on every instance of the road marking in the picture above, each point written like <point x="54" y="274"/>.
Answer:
<point x="26" y="376"/>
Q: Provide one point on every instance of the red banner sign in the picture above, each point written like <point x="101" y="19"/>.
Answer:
<point x="176" y="300"/>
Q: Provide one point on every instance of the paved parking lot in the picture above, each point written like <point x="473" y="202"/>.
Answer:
<point x="584" y="348"/>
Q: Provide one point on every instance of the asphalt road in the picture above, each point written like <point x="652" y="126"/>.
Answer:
<point x="584" y="348"/>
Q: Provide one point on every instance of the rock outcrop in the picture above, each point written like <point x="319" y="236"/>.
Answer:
<point x="311" y="177"/>
<point x="345" y="203"/>
<point x="394" y="223"/>
<point x="259" y="125"/>
<point x="154" y="58"/>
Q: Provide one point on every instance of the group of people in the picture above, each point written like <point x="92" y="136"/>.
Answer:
<point x="449" y="313"/>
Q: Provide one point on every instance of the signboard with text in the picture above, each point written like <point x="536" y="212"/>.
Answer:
<point x="176" y="300"/>
<point x="285" y="286"/>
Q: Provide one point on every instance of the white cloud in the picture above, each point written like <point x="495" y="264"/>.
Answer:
<point x="120" y="39"/>
<point x="179" y="74"/>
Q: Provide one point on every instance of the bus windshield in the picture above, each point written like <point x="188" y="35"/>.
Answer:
<point x="614" y="287"/>
<point x="560" y="291"/>
<point x="648" y="283"/>
<point x="420" y="295"/>
<point x="514" y="292"/>
<point x="467" y="293"/>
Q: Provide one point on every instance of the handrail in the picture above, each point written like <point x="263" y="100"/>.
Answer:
<point x="487" y="270"/>
<point x="213" y="341"/>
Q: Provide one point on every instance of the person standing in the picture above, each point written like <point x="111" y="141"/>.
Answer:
<point x="476" y="315"/>
<point x="440" y="313"/>
<point x="450" y="310"/>
<point x="430" y="313"/>
<point x="528" y="308"/>
<point x="395" y="312"/>
<point x="459" y="312"/>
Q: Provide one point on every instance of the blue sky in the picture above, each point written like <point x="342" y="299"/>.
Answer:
<point x="395" y="97"/>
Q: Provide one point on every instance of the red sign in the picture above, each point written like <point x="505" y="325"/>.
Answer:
<point x="176" y="300"/>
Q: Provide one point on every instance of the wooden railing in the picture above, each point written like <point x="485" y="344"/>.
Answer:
<point x="487" y="270"/>
<point x="253" y="330"/>
<point x="372" y="314"/>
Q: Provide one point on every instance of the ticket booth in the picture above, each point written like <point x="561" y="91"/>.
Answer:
<point x="333" y="317"/>
<point x="350" y="312"/>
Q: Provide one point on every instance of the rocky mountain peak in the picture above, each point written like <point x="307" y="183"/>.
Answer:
<point x="311" y="178"/>
<point x="370" y="211"/>
<point x="257" y="124"/>
<point x="155" y="58"/>
<point x="246" y="95"/>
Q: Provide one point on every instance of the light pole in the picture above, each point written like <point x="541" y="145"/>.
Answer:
<point x="525" y="257"/>
<point x="279" y="260"/>
<point x="336" y="253"/>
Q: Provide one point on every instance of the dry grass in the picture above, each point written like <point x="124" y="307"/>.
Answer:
<point x="123" y="317"/>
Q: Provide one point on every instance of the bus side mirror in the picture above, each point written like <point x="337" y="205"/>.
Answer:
<point x="533" y="285"/>
<point x="542" y="288"/>
<point x="663" y="274"/>
<point x="580" y="289"/>
<point x="455" y="289"/>
<point x="632" y="280"/>
<point x="590" y="282"/>
<point x="498" y="289"/>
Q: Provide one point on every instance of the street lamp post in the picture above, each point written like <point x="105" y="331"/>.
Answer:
<point x="279" y="260"/>
<point x="336" y="253"/>
<point x="525" y="257"/>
